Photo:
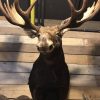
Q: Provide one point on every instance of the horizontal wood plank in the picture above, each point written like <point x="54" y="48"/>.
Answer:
<point x="82" y="59"/>
<point x="14" y="78"/>
<point x="17" y="47"/>
<point x="29" y="48"/>
<point x="17" y="39"/>
<point x="83" y="35"/>
<point x="5" y="23"/>
<point x="31" y="57"/>
<point x="13" y="91"/>
<point x="84" y="69"/>
<point x="77" y="92"/>
<point x="65" y="41"/>
<point x="7" y="30"/>
<point x="27" y="40"/>
<point x="11" y="67"/>
<point x="16" y="56"/>
<point x="22" y="78"/>
<point x="82" y="50"/>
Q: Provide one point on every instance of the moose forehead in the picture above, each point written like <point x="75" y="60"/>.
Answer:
<point x="52" y="30"/>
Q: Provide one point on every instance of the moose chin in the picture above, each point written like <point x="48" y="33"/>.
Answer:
<point x="49" y="78"/>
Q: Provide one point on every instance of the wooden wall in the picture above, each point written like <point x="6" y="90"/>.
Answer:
<point x="18" y="53"/>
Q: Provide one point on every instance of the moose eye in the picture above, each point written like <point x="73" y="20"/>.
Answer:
<point x="38" y="35"/>
<point x="58" y="36"/>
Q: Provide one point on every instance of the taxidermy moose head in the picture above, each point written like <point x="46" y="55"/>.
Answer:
<point x="48" y="37"/>
<point x="49" y="78"/>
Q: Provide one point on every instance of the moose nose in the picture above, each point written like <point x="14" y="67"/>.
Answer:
<point x="41" y="48"/>
<point x="45" y="48"/>
<point x="50" y="47"/>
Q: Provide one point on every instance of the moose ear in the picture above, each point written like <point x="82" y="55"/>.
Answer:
<point x="31" y="33"/>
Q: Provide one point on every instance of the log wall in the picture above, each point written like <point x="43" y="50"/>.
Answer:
<point x="18" y="53"/>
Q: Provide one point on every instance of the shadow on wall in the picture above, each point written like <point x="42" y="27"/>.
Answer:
<point x="96" y="62"/>
<point x="14" y="71"/>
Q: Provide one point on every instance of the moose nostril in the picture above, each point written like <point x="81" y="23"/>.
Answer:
<point x="50" y="47"/>
<point x="41" y="48"/>
<point x="38" y="48"/>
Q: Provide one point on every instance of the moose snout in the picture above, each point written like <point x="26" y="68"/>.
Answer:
<point x="45" y="49"/>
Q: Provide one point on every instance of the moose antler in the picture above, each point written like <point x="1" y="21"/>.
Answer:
<point x="89" y="14"/>
<point x="15" y="15"/>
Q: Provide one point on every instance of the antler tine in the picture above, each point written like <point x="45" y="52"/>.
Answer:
<point x="3" y="10"/>
<point x="81" y="9"/>
<point x="74" y="13"/>
<point x="15" y="15"/>
<point x="19" y="10"/>
<point x="30" y="8"/>
<point x="9" y="11"/>
<point x="25" y="15"/>
<point x="6" y="12"/>
<point x="91" y="12"/>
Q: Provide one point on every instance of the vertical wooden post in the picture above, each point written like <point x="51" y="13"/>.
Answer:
<point x="32" y="13"/>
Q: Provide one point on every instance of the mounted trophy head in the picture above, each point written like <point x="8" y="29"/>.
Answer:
<point x="48" y="37"/>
